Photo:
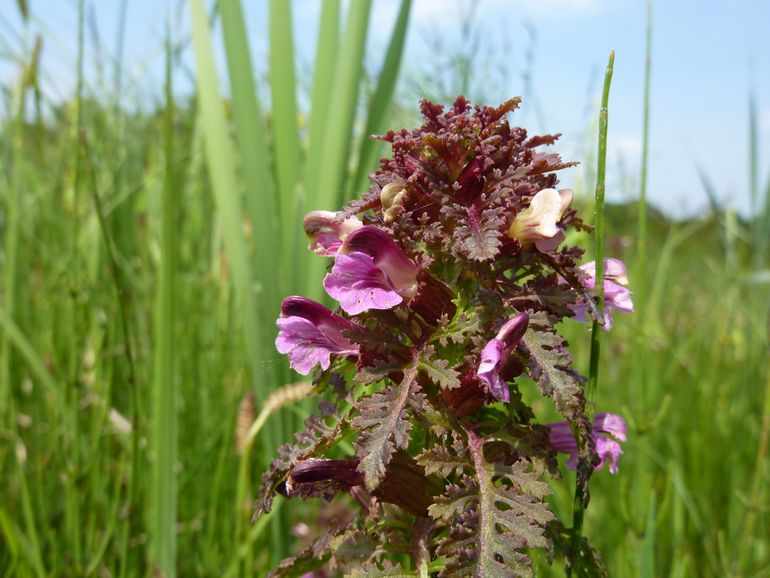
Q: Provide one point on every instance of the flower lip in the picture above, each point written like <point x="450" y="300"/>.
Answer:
<point x="612" y="424"/>
<point x="359" y="285"/>
<point x="309" y="334"/>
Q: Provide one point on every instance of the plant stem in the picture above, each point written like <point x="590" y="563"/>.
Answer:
<point x="578" y="511"/>
<point x="601" y="171"/>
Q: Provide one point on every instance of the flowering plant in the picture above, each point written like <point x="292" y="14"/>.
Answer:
<point x="451" y="276"/>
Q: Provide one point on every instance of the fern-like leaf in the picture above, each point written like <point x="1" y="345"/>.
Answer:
<point x="385" y="425"/>
<point x="492" y="518"/>
<point x="438" y="370"/>
<point x="550" y="366"/>
<point x="444" y="461"/>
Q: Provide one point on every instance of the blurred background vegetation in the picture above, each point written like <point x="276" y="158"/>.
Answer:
<point x="145" y="251"/>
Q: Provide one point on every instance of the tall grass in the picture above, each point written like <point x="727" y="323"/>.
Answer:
<point x="144" y="254"/>
<point x="156" y="298"/>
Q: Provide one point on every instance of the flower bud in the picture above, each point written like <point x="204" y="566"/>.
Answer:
<point x="392" y="199"/>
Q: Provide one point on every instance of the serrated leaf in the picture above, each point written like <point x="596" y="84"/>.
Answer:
<point x="439" y="372"/>
<point x="550" y="365"/>
<point x="385" y="426"/>
<point x="444" y="461"/>
<point x="492" y="518"/>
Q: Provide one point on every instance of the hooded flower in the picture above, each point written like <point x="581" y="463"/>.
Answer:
<point x="326" y="232"/>
<point x="370" y="272"/>
<point x="494" y="354"/>
<point x="616" y="296"/>
<point x="539" y="223"/>
<point x="608" y="448"/>
<point x="309" y="334"/>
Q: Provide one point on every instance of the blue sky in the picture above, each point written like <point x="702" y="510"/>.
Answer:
<point x="706" y="55"/>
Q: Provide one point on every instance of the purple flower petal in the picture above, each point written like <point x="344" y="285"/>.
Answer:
<point x="612" y="424"/>
<point x="494" y="353"/>
<point x="310" y="334"/>
<point x="608" y="449"/>
<point x="327" y="230"/>
<point x="614" y="270"/>
<point x="386" y="255"/>
<point x="305" y="345"/>
<point x="489" y="371"/>
<point x="359" y="285"/>
<point x="616" y="297"/>
<point x="513" y="330"/>
<point x="562" y="440"/>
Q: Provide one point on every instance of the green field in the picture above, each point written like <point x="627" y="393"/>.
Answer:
<point x="144" y="257"/>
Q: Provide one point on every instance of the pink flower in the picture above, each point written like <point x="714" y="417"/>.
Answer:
<point x="370" y="272"/>
<point x="327" y="232"/>
<point x="310" y="334"/>
<point x="607" y="448"/>
<point x="616" y="296"/>
<point x="539" y="223"/>
<point x="494" y="354"/>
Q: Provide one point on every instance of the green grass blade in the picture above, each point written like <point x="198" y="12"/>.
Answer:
<point x="22" y="345"/>
<point x="647" y="569"/>
<point x="335" y="153"/>
<point x="220" y="156"/>
<point x="380" y="104"/>
<point x="326" y="62"/>
<point x="285" y="119"/>
<point x="601" y="177"/>
<point x="164" y="418"/>
<point x="251" y="138"/>
<point x="323" y="86"/>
